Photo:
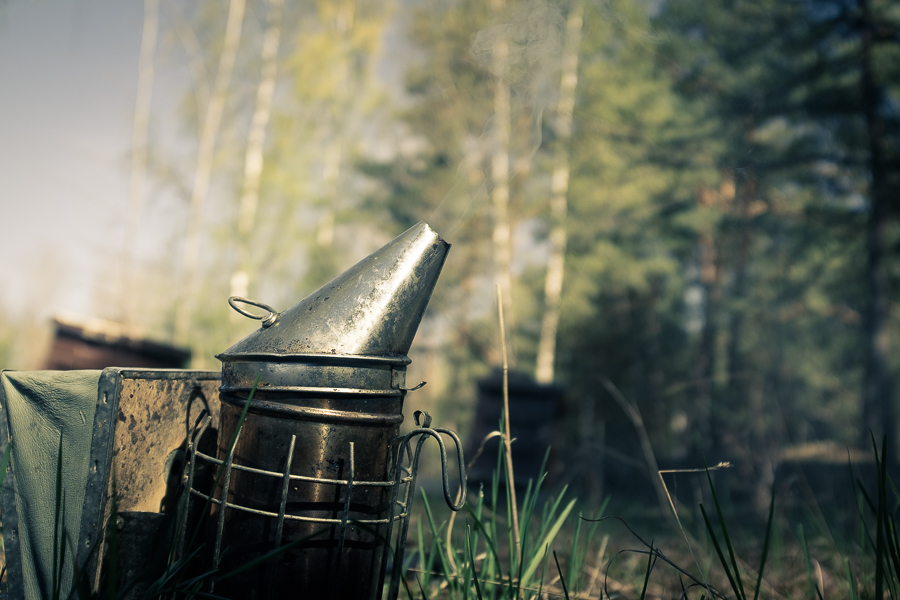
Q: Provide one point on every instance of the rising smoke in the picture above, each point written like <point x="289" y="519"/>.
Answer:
<point x="532" y="34"/>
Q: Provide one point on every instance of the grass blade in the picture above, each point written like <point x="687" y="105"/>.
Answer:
<point x="547" y="541"/>
<point x="573" y="553"/>
<point x="722" y="561"/>
<point x="892" y="543"/>
<point x="890" y="481"/>
<point x="478" y="593"/>
<point x="865" y="526"/>
<point x="737" y="575"/>
<point x="425" y="561"/>
<point x="865" y="493"/>
<point x="525" y="524"/>
<point x="766" y="541"/>
<point x="489" y="542"/>
<point x="269" y="555"/>
<point x="851" y="581"/>
<point x="562" y="578"/>
<point x="809" y="573"/>
<point x="421" y="589"/>
<point x="879" y="518"/>
<point x="436" y="535"/>
<point x="221" y="470"/>
<point x="649" y="569"/>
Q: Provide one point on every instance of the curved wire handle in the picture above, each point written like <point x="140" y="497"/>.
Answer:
<point x="423" y="429"/>
<point x="268" y="319"/>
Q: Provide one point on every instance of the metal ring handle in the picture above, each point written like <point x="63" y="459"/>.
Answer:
<point x="267" y="320"/>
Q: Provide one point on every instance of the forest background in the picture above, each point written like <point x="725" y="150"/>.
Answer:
<point x="694" y="201"/>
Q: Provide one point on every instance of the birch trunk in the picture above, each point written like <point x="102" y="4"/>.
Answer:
<point x="194" y="55"/>
<point x="138" y="156"/>
<point x="546" y="356"/>
<point x="253" y="158"/>
<point x="203" y="172"/>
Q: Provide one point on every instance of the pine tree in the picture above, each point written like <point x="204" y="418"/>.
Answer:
<point x="797" y="89"/>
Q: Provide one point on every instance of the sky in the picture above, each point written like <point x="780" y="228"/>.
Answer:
<point x="68" y="83"/>
<point x="68" y="78"/>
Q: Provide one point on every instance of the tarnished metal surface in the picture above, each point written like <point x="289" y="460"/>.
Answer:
<point x="137" y="437"/>
<point x="154" y="417"/>
<point x="322" y="451"/>
<point x="141" y="426"/>
<point x="320" y="374"/>
<point x="144" y="541"/>
<point x="374" y="308"/>
<point x="332" y="376"/>
<point x="336" y="540"/>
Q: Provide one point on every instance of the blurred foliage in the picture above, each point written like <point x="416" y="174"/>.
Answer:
<point x="790" y="306"/>
<point x="722" y="188"/>
<point x="720" y="193"/>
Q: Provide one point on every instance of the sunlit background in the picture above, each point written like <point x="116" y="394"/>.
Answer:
<point x="686" y="207"/>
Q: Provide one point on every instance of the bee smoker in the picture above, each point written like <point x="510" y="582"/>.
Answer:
<point x="313" y="481"/>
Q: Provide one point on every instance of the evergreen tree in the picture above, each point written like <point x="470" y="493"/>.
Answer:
<point x="638" y="153"/>
<point x="453" y="175"/>
<point x="636" y="156"/>
<point x="806" y="95"/>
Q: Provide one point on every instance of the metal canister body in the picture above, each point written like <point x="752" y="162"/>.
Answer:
<point x="310" y="469"/>
<point x="315" y="427"/>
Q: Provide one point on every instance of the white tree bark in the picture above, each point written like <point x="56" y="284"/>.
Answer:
<point x="203" y="171"/>
<point x="558" y="201"/>
<point x="194" y="54"/>
<point x="253" y="157"/>
<point x="139" y="131"/>
<point x="342" y="108"/>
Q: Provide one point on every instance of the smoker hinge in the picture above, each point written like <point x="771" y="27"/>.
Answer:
<point x="398" y="378"/>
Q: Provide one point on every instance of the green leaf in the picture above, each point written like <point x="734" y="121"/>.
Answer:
<point x="546" y="541"/>
<point x="766" y="541"/>
<point x="737" y="575"/>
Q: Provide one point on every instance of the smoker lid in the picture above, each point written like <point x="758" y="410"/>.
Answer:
<point x="371" y="309"/>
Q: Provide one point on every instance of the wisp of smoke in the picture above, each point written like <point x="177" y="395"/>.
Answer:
<point x="534" y="35"/>
<point x="534" y="32"/>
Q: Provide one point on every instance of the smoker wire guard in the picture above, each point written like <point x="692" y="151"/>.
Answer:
<point x="401" y="475"/>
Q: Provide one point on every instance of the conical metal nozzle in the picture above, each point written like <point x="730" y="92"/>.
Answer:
<point x="373" y="308"/>
<point x="370" y="312"/>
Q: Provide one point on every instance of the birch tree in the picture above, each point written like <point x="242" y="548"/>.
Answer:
<point x="558" y="199"/>
<point x="253" y="156"/>
<point x="203" y="170"/>
<point x="139" y="132"/>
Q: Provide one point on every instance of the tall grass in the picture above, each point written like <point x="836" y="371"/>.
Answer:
<point x="482" y="561"/>
<point x="501" y="553"/>
<point x="559" y="551"/>
<point x="562" y="554"/>
<point x="478" y="561"/>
